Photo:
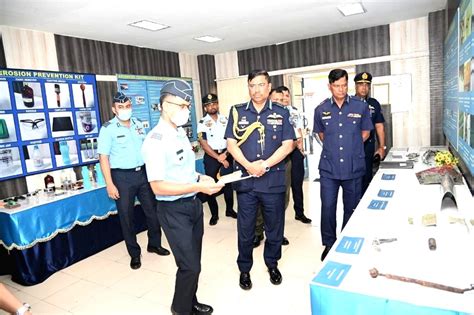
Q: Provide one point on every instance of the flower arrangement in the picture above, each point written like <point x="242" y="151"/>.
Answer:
<point x="445" y="158"/>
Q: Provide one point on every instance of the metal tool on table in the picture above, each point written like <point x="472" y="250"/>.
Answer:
<point x="374" y="273"/>
<point x="378" y="241"/>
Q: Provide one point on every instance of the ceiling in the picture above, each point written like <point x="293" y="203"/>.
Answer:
<point x="242" y="24"/>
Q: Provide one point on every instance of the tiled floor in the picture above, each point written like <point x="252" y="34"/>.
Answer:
<point x="105" y="284"/>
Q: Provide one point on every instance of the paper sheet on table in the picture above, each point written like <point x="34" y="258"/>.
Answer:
<point x="233" y="177"/>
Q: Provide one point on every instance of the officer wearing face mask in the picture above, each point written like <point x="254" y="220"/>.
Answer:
<point x="170" y="163"/>
<point x="119" y="145"/>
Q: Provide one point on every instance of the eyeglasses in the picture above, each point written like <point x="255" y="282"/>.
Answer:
<point x="34" y="123"/>
<point x="180" y="105"/>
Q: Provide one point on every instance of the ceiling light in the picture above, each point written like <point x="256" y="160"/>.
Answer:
<point x="208" y="39"/>
<point x="351" y="9"/>
<point x="149" y="25"/>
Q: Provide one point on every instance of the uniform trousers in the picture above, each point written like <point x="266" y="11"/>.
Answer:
<point x="369" y="148"/>
<point x="259" y="222"/>
<point x="274" y="219"/>
<point x="351" y="194"/>
<point x="131" y="184"/>
<point x="182" y="222"/>
<point x="212" y="168"/>
<point x="297" y="177"/>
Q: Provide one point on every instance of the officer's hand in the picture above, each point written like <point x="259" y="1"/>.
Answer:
<point x="380" y="151"/>
<point x="209" y="188"/>
<point x="222" y="157"/>
<point x="225" y="164"/>
<point x="113" y="192"/>
<point x="256" y="168"/>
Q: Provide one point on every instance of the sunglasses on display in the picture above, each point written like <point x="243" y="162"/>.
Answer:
<point x="34" y="123"/>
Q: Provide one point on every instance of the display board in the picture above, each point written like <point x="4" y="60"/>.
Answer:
<point x="458" y="119"/>
<point x="48" y="120"/>
<point x="145" y="94"/>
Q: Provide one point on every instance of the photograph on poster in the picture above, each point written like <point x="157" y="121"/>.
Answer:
<point x="83" y="95"/>
<point x="465" y="25"/>
<point x="37" y="157"/>
<point x="10" y="163"/>
<point x="86" y="122"/>
<point x="5" y="102"/>
<point x="28" y="95"/>
<point x="7" y="128"/>
<point x="57" y="95"/>
<point x="89" y="149"/>
<point x="32" y="126"/>
<point x="65" y="152"/>
<point x="61" y="124"/>
<point x="139" y="100"/>
<point x="471" y="127"/>
<point x="467" y="75"/>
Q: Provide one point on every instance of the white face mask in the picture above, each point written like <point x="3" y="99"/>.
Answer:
<point x="180" y="117"/>
<point x="124" y="114"/>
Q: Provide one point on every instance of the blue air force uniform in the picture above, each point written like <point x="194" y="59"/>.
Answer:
<point x="122" y="145"/>
<point x="269" y="189"/>
<point x="342" y="160"/>
<point x="369" y="145"/>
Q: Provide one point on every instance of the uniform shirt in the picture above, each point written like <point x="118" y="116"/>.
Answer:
<point x="277" y="125"/>
<point x="343" y="147"/>
<point x="377" y="118"/>
<point x="122" y="144"/>
<point x="213" y="131"/>
<point x="169" y="156"/>
<point x="296" y="119"/>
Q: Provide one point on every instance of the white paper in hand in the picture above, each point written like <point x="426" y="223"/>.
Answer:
<point x="233" y="177"/>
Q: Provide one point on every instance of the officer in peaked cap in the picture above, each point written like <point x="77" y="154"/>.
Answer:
<point x="170" y="163"/>
<point x="211" y="129"/>
<point x="363" y="82"/>
<point x="119" y="145"/>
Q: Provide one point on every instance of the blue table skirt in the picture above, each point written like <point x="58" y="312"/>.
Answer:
<point x="330" y="301"/>
<point x="24" y="229"/>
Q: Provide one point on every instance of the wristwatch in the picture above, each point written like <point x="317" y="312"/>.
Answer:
<point x="23" y="309"/>
<point x="267" y="168"/>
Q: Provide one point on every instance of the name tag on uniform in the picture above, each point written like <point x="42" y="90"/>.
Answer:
<point x="326" y="117"/>
<point x="179" y="153"/>
<point x="120" y="136"/>
<point x="243" y="121"/>
<point x="354" y="115"/>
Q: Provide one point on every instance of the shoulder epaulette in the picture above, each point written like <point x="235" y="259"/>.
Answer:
<point x="106" y="124"/>
<point x="278" y="104"/>
<point x="240" y="105"/>
<point x="201" y="121"/>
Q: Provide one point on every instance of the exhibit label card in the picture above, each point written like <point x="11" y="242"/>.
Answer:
<point x="385" y="193"/>
<point x="388" y="176"/>
<point x="378" y="204"/>
<point x="350" y="245"/>
<point x="332" y="273"/>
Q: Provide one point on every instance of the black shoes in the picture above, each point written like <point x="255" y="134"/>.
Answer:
<point x="158" y="250"/>
<point x="202" y="309"/>
<point x="135" y="263"/>
<point x="213" y="220"/>
<point x="231" y="213"/>
<point x="256" y="240"/>
<point x="303" y="219"/>
<point x="285" y="241"/>
<point x="325" y="252"/>
<point x="275" y="276"/>
<point x="245" y="282"/>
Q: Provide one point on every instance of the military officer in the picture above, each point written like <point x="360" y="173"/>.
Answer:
<point x="121" y="162"/>
<point x="363" y="82"/>
<point x="297" y="157"/>
<point x="259" y="137"/>
<point x="216" y="158"/>
<point x="170" y="163"/>
<point x="343" y="124"/>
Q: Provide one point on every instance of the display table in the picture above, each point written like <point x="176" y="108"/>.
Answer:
<point x="40" y="239"/>
<point x="393" y="207"/>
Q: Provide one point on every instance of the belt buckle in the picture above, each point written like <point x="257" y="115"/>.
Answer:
<point x="138" y="168"/>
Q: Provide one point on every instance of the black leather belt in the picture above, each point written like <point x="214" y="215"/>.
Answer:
<point x="135" y="169"/>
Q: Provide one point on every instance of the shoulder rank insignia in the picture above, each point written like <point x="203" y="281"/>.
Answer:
<point x="106" y="124"/>
<point x="201" y="121"/>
